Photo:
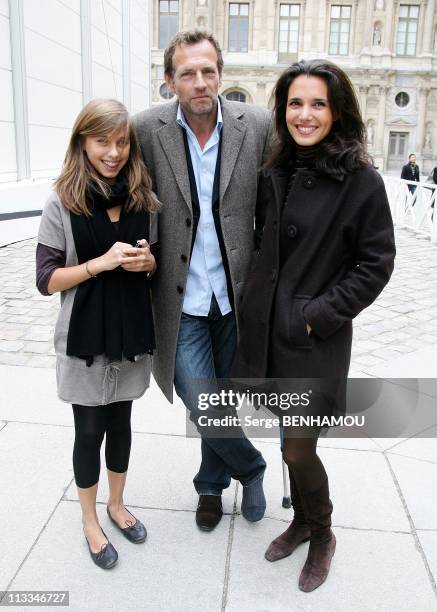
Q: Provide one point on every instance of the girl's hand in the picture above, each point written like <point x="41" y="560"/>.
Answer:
<point x="141" y="260"/>
<point x="116" y="256"/>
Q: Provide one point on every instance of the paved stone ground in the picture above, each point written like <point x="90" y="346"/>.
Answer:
<point x="402" y="320"/>
<point x="383" y="490"/>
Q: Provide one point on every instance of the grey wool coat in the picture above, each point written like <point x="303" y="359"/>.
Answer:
<point x="245" y="143"/>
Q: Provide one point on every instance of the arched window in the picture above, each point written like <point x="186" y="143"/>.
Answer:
<point x="236" y="96"/>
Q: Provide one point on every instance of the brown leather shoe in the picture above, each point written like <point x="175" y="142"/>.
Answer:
<point x="297" y="532"/>
<point x="209" y="512"/>
<point x="318" y="510"/>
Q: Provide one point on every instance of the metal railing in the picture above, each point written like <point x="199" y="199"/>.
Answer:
<point x="413" y="209"/>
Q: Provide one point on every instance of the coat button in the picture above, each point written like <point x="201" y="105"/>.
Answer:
<point x="309" y="182"/>
<point x="273" y="276"/>
<point x="188" y="221"/>
<point x="184" y="258"/>
<point x="292" y="231"/>
<point x="179" y="289"/>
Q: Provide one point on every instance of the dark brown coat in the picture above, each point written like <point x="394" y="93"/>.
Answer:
<point x="337" y="255"/>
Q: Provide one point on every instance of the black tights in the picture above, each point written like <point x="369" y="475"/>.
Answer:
<point x="91" y="423"/>
<point x="301" y="457"/>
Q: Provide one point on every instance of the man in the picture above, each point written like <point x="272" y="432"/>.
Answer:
<point x="410" y="172"/>
<point x="204" y="154"/>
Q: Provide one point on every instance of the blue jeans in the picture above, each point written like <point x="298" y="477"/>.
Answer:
<point x="205" y="350"/>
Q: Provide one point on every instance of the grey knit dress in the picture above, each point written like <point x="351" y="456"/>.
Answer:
<point x="105" y="381"/>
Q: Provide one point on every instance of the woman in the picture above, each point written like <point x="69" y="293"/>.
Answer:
<point x="93" y="247"/>
<point x="326" y="253"/>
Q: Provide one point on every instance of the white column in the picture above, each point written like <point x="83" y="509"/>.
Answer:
<point x="19" y="85"/>
<point x="420" y="135"/>
<point x="368" y="26"/>
<point x="148" y="42"/>
<point x="364" y="89"/>
<point x="125" y="17"/>
<point x="389" y="39"/>
<point x="380" y="126"/>
<point x="85" y="30"/>
<point x="428" y="24"/>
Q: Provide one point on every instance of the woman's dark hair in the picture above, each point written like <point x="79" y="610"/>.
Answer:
<point x="344" y="148"/>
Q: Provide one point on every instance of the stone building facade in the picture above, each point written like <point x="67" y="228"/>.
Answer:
<point x="387" y="47"/>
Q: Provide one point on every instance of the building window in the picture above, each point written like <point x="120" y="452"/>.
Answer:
<point x="288" y="28"/>
<point x="164" y="92"/>
<point x="238" y="27"/>
<point x="168" y="21"/>
<point x="339" y="31"/>
<point x="407" y="29"/>
<point x="402" y="99"/>
<point x="236" y="96"/>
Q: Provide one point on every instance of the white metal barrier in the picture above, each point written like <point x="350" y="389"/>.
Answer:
<point x="413" y="209"/>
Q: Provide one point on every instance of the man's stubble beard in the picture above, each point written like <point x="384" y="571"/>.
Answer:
<point x="204" y="110"/>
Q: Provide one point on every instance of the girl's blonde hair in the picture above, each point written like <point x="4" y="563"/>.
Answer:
<point x="101" y="117"/>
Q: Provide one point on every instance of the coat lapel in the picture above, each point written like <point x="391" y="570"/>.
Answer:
<point x="172" y="142"/>
<point x="234" y="132"/>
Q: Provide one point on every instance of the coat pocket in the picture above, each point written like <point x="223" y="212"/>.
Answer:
<point x="299" y="337"/>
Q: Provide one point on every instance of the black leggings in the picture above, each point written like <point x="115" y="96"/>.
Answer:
<point x="91" y="423"/>
<point x="300" y="454"/>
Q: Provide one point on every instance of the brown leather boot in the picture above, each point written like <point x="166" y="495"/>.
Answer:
<point x="318" y="509"/>
<point x="297" y="532"/>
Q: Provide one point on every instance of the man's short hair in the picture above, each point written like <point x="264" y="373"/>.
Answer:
<point x="411" y="155"/>
<point x="190" y="37"/>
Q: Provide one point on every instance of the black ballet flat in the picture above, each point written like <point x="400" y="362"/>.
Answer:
<point x="106" y="557"/>
<point x="134" y="533"/>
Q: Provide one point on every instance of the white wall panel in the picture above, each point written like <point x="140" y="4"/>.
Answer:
<point x="106" y="18"/>
<point x="106" y="84"/>
<point x="4" y="8"/>
<point x="6" y="97"/>
<point x="5" y="47"/>
<point x="7" y="177"/>
<point x="73" y="4"/>
<point x="138" y="15"/>
<point x="106" y="51"/>
<point x="138" y="70"/>
<point x="48" y="61"/>
<point x="52" y="105"/>
<point x="54" y="20"/>
<point x="47" y="149"/>
<point x="8" y="162"/>
<point x="117" y="4"/>
<point x="139" y="98"/>
<point x="138" y="44"/>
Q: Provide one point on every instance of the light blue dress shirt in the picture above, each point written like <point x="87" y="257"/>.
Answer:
<point x="206" y="274"/>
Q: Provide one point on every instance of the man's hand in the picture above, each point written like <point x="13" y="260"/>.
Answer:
<point x="309" y="329"/>
<point x="140" y="259"/>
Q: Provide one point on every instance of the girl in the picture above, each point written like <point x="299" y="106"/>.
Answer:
<point x="93" y="247"/>
<point x="326" y="253"/>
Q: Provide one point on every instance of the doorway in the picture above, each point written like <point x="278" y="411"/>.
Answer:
<point x="397" y="150"/>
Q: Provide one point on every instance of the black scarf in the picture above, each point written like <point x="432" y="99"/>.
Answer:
<point x="112" y="312"/>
